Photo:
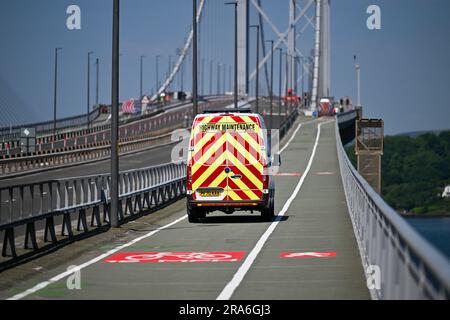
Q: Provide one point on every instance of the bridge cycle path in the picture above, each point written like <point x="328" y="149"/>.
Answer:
<point x="310" y="218"/>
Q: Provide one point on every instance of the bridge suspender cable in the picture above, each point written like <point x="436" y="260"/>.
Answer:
<point x="181" y="58"/>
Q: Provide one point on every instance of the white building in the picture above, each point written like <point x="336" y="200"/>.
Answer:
<point x="446" y="193"/>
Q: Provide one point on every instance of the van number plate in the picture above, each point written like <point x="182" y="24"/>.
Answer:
<point x="209" y="193"/>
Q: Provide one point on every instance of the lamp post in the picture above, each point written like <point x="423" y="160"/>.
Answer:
<point x="55" y="90"/>
<point x="271" y="85"/>
<point x="182" y="78"/>
<point x="235" y="3"/>
<point x="257" y="68"/>
<point x="202" y="81"/>
<point x="194" y="58"/>
<point x="157" y="76"/>
<point x="210" y="77"/>
<point x="218" y="79"/>
<point x="358" y="82"/>
<point x="115" y="119"/>
<point x="169" y="69"/>
<point x="279" y="83"/>
<point x="224" y="77"/>
<point x="286" y="55"/>
<point x="97" y="79"/>
<point x="302" y="63"/>
<point x="88" y="87"/>
<point x="141" y="77"/>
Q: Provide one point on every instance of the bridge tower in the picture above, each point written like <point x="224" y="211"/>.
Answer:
<point x="322" y="56"/>
<point x="292" y="54"/>
<point x="324" y="89"/>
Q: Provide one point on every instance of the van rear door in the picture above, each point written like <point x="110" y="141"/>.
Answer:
<point x="208" y="158"/>
<point x="245" y="158"/>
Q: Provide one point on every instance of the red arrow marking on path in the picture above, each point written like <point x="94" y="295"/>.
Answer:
<point x="288" y="174"/>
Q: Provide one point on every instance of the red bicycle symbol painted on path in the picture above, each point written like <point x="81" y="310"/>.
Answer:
<point x="161" y="257"/>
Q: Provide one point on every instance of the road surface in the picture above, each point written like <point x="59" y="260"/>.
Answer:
<point x="312" y="220"/>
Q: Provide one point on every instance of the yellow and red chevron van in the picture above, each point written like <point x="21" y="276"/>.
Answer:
<point x="228" y="165"/>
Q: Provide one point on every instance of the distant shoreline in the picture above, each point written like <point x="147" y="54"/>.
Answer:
<point x="415" y="215"/>
<point x="414" y="134"/>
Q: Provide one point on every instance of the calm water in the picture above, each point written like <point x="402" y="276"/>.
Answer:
<point x="435" y="230"/>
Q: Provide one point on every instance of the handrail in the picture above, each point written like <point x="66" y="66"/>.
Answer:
<point x="411" y="268"/>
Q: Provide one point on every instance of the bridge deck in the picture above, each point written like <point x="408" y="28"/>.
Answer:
<point x="316" y="220"/>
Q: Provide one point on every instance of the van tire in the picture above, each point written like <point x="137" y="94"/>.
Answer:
<point x="195" y="214"/>
<point x="267" y="213"/>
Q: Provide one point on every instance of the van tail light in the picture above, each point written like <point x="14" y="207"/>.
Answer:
<point x="189" y="177"/>
<point x="265" y="179"/>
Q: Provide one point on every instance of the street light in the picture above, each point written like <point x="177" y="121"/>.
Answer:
<point x="141" y="76"/>
<point x="279" y="83"/>
<point x="257" y="68"/>
<point x="169" y="69"/>
<point x="114" y="208"/>
<point x="358" y="82"/>
<point x="157" y="80"/>
<point x="55" y="90"/>
<point x="202" y="91"/>
<point x="194" y="58"/>
<point x="271" y="84"/>
<point x="88" y="86"/>
<point x="287" y="79"/>
<point x="97" y="71"/>
<point x="302" y="63"/>
<point x="210" y="77"/>
<point x="235" y="3"/>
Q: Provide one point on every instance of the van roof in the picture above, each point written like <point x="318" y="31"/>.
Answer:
<point x="227" y="114"/>
<point x="229" y="110"/>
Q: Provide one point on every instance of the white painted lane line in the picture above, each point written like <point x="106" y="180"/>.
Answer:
<point x="229" y="289"/>
<point x="295" y="132"/>
<point x="92" y="261"/>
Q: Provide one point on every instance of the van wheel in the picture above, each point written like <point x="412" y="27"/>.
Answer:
<point x="268" y="212"/>
<point x="195" y="214"/>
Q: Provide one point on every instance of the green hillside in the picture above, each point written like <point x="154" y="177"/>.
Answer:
<point x="415" y="171"/>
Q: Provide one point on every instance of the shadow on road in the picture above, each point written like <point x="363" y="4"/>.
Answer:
<point x="240" y="219"/>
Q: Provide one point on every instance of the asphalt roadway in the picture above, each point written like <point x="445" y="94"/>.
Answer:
<point x="309" y="251"/>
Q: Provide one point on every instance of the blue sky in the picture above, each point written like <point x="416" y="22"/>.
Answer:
<point x="405" y="65"/>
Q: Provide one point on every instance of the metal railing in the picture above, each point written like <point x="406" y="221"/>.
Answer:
<point x="410" y="267"/>
<point x="79" y="136"/>
<point x="136" y="136"/>
<point x="26" y="165"/>
<point x="47" y="126"/>
<point x="56" y="205"/>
